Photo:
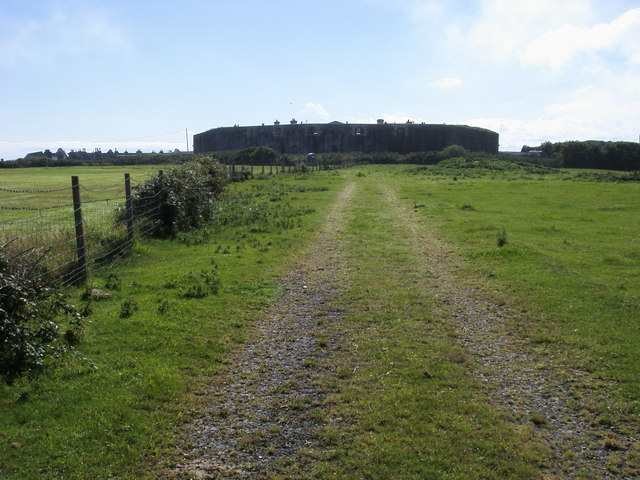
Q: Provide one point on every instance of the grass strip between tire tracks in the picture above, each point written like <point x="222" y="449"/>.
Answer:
<point x="406" y="406"/>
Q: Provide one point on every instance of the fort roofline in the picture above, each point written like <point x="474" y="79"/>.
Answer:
<point x="300" y="138"/>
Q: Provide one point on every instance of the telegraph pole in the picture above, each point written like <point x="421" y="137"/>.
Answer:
<point x="186" y="133"/>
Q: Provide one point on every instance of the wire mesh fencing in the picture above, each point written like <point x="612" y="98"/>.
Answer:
<point x="68" y="232"/>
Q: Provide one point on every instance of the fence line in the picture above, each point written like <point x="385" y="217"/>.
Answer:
<point x="86" y="236"/>
<point x="100" y="189"/>
<point x="34" y="191"/>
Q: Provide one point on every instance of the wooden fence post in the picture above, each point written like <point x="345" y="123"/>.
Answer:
<point x="81" y="271"/>
<point x="129" y="207"/>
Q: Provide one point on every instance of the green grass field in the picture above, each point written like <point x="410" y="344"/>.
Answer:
<point x="36" y="208"/>
<point x="99" y="183"/>
<point x="572" y="257"/>
<point x="412" y="408"/>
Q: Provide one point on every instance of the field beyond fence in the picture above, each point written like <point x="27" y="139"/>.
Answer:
<point x="68" y="229"/>
<point x="68" y="224"/>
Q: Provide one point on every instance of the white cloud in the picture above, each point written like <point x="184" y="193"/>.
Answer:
<point x="546" y="33"/>
<point x="58" y="35"/>
<point x="447" y="83"/>
<point x="609" y="111"/>
<point x="505" y="27"/>
<point x="316" y="108"/>
<point x="558" y="47"/>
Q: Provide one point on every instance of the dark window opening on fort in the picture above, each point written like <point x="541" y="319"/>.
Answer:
<point x="358" y="131"/>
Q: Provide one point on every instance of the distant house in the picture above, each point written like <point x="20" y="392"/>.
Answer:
<point x="60" y="155"/>
<point x="35" y="155"/>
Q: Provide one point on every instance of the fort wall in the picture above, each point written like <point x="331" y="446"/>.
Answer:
<point x="298" y="138"/>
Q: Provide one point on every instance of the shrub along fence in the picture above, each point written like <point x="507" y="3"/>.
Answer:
<point x="65" y="236"/>
<point x="61" y="233"/>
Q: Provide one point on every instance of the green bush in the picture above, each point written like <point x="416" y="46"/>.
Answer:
<point x="37" y="324"/>
<point x="184" y="198"/>
<point x="453" y="151"/>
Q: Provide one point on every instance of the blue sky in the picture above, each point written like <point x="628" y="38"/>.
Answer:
<point x="128" y="74"/>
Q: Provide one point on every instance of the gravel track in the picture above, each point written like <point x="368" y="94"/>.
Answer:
<point x="259" y="415"/>
<point x="259" y="418"/>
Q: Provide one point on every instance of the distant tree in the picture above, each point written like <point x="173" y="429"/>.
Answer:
<point x="622" y="156"/>
<point x="47" y="153"/>
<point x="263" y="156"/>
<point x="547" y="148"/>
<point x="453" y="151"/>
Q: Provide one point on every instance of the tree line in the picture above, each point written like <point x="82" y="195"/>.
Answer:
<point x="592" y="154"/>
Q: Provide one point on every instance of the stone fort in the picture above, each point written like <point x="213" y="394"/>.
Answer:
<point x="347" y="137"/>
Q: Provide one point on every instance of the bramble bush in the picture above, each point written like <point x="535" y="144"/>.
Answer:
<point x="37" y="324"/>
<point x="184" y="198"/>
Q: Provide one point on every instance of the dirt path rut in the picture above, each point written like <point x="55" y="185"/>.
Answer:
<point x="260" y="414"/>
<point x="520" y="380"/>
<point x="259" y="417"/>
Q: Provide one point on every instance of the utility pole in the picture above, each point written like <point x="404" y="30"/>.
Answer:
<point x="186" y="132"/>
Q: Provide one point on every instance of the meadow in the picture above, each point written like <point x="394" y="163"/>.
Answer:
<point x="31" y="189"/>
<point x="561" y="248"/>
<point x="571" y="256"/>
<point x="37" y="212"/>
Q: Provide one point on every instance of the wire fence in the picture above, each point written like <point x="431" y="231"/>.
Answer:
<point x="68" y="232"/>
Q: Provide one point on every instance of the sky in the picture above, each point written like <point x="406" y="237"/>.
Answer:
<point x="129" y="74"/>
